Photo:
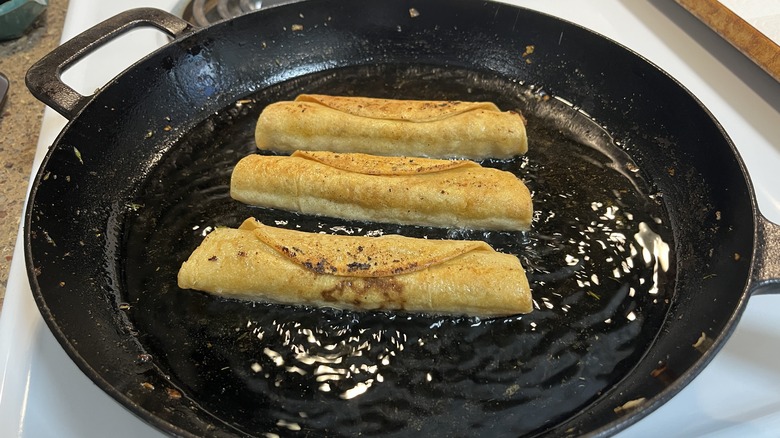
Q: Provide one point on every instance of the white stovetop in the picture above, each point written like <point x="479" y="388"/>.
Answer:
<point x="43" y="394"/>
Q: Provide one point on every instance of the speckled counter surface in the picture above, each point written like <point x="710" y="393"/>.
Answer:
<point x="20" y="123"/>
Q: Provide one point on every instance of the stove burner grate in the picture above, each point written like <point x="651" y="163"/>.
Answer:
<point x="205" y="12"/>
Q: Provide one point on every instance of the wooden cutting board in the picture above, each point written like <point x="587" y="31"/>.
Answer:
<point x="753" y="43"/>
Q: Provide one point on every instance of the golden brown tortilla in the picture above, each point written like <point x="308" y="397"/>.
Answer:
<point x="259" y="262"/>
<point x="436" y="129"/>
<point x="404" y="190"/>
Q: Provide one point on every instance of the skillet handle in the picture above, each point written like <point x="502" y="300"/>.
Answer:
<point x="44" y="77"/>
<point x="766" y="267"/>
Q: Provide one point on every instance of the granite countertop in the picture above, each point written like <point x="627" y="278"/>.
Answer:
<point x="20" y="123"/>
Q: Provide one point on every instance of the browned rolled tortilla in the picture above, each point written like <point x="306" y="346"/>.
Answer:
<point x="404" y="190"/>
<point x="258" y="262"/>
<point x="423" y="128"/>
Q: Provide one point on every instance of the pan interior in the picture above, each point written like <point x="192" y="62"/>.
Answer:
<point x="596" y="259"/>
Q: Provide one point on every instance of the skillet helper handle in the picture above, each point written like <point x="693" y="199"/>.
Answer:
<point x="766" y="269"/>
<point x="44" y="77"/>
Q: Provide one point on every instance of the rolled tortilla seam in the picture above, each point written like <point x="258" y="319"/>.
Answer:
<point x="261" y="263"/>
<point x="423" y="128"/>
<point x="402" y="190"/>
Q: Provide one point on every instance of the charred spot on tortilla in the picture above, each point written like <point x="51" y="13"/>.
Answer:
<point x="356" y="266"/>
<point x="358" y="295"/>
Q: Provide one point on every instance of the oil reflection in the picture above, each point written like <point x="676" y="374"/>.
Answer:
<point x="655" y="252"/>
<point x="343" y="360"/>
<point x="637" y="260"/>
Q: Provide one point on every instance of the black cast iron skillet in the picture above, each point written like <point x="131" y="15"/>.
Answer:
<point x="623" y="160"/>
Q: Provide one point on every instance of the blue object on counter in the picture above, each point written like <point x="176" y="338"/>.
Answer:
<point x="4" y="84"/>
<point x="16" y="16"/>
